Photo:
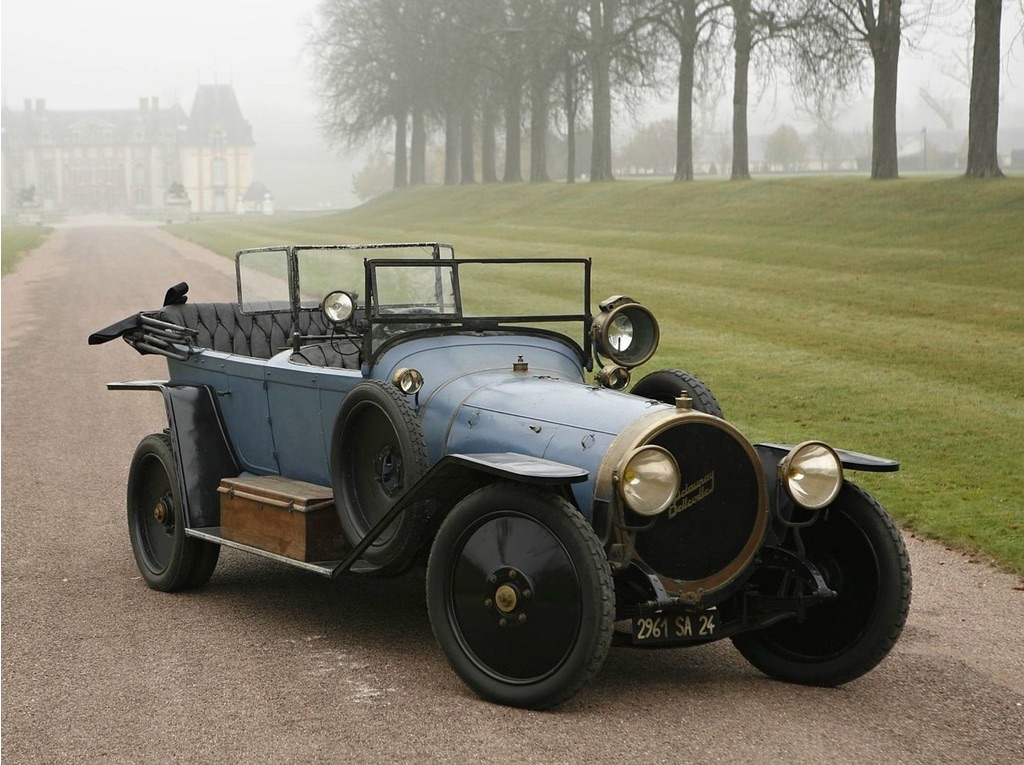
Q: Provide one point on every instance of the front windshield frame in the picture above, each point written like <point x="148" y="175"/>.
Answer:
<point x="389" y="322"/>
<point x="281" y="289"/>
<point x="449" y="314"/>
<point x="287" y="272"/>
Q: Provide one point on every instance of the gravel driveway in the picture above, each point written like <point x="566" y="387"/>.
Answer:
<point x="270" y="664"/>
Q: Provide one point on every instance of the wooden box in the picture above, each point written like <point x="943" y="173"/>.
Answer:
<point x="283" y="516"/>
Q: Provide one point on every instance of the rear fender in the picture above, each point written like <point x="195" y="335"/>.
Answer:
<point x="201" y="447"/>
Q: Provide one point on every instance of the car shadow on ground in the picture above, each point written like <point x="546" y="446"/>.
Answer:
<point x="362" y="612"/>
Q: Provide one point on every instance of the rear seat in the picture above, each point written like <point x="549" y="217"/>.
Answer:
<point x="223" y="327"/>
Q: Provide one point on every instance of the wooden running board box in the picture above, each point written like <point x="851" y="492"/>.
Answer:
<point x="283" y="516"/>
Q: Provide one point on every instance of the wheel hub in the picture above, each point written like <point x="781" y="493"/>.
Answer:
<point x="506" y="598"/>
<point x="509" y="591"/>
<point x="163" y="514"/>
<point x="388" y="470"/>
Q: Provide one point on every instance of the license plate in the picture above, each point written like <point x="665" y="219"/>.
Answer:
<point x="675" y="628"/>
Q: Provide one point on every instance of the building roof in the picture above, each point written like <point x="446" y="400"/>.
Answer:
<point x="37" y="125"/>
<point x="216" y="114"/>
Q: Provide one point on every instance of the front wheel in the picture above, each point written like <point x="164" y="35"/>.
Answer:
<point x="520" y="595"/>
<point x="861" y="555"/>
<point x="167" y="559"/>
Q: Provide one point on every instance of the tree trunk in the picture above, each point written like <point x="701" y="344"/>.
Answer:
<point x="601" y="150"/>
<point x="741" y="46"/>
<point x="401" y="157"/>
<point x="885" y="52"/>
<point x="466" y="134"/>
<point x="600" y="79"/>
<point x="684" y="107"/>
<point x="513" y="130"/>
<point x="570" y="101"/>
<point x="488" y="147"/>
<point x="570" y="148"/>
<point x="983" y="131"/>
<point x="539" y="92"/>
<point x="418" y="158"/>
<point x="451" y="147"/>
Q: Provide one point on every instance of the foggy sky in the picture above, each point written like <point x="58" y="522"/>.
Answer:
<point x="110" y="53"/>
<point x="79" y="54"/>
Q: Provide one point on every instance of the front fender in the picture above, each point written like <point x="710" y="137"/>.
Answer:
<point x="850" y="460"/>
<point x="457" y="474"/>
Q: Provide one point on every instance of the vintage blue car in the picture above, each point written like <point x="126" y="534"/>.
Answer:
<point x="363" y="409"/>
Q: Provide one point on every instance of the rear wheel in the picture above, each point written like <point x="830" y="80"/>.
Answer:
<point x="861" y="555"/>
<point x="666" y="385"/>
<point x="378" y="452"/>
<point x="167" y="559"/>
<point x="520" y="595"/>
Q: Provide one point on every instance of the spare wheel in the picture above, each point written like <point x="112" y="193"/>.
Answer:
<point x="377" y="452"/>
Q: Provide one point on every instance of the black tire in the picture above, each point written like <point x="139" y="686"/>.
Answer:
<point x="666" y="385"/>
<point x="168" y="560"/>
<point x="378" y="451"/>
<point x="861" y="555"/>
<point x="520" y="595"/>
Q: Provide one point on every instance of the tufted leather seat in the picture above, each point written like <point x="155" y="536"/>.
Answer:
<point x="223" y="327"/>
<point x="340" y="353"/>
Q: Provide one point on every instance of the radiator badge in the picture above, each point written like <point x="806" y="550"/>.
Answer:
<point x="692" y="493"/>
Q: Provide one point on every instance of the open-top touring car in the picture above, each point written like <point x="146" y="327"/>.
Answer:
<point x="363" y="408"/>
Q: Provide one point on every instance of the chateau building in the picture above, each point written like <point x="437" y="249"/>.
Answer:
<point x="128" y="160"/>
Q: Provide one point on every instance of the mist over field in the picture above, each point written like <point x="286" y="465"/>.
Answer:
<point x="109" y="54"/>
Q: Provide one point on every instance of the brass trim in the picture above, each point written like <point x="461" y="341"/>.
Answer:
<point x="642" y="431"/>
<point x="505" y="598"/>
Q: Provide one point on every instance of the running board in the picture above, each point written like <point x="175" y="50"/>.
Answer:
<point x="328" y="568"/>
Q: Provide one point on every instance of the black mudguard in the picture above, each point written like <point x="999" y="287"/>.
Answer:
<point x="851" y="460"/>
<point x="200" y="443"/>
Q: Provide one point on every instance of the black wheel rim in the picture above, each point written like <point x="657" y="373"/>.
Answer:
<point x="514" y="600"/>
<point x="155" y="515"/>
<point x="377" y="475"/>
<point x="846" y="559"/>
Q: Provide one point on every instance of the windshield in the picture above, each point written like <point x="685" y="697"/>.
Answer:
<point x="477" y="294"/>
<point x="269" y="278"/>
<point x="401" y="288"/>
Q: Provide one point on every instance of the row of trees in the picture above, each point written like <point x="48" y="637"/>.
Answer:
<point x="474" y="69"/>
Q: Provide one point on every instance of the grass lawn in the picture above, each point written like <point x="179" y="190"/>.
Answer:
<point x="16" y="241"/>
<point x="884" y="317"/>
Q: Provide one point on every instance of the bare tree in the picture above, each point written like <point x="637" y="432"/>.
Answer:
<point x="982" y="156"/>
<point x="824" y="109"/>
<point x="755" y="24"/>
<point x="877" y="26"/>
<point x="691" y="24"/>
<point x="492" y="39"/>
<point x="612" y="34"/>
<point x="574" y="84"/>
<point x="942" y="107"/>
<point x="418" y="148"/>
<point x="368" y="63"/>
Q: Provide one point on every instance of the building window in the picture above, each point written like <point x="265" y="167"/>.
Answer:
<point x="219" y="172"/>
